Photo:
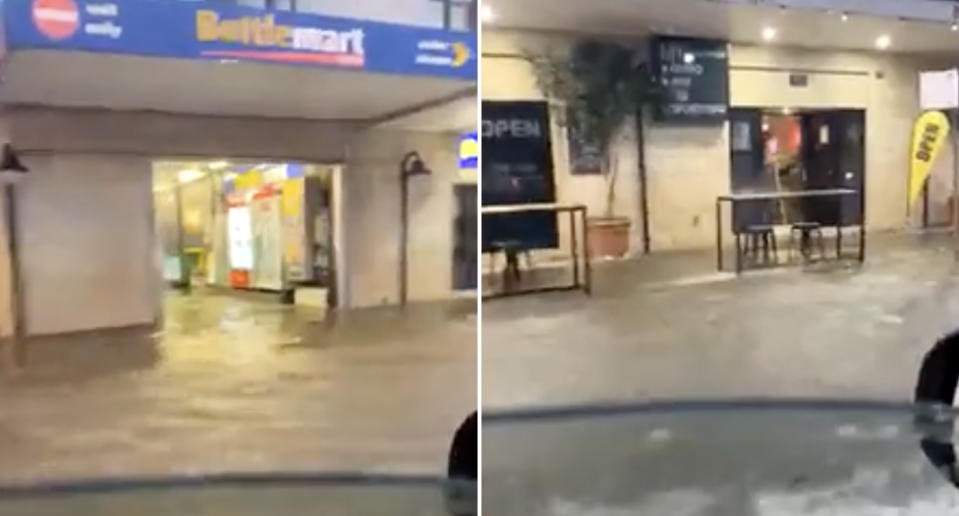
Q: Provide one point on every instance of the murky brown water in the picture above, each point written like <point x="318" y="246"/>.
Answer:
<point x="669" y="327"/>
<point x="239" y="384"/>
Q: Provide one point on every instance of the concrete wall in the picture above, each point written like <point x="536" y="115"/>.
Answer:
<point x="86" y="242"/>
<point x="165" y="135"/>
<point x="371" y="197"/>
<point x="688" y="166"/>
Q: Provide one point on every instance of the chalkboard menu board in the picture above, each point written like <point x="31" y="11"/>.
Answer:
<point x="517" y="168"/>
<point x="694" y="75"/>
<point x="585" y="154"/>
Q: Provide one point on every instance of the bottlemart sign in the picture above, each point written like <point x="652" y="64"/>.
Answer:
<point x="226" y="32"/>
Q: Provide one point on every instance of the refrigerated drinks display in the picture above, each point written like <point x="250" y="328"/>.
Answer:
<point x="261" y="226"/>
<point x="240" y="240"/>
<point x="267" y="231"/>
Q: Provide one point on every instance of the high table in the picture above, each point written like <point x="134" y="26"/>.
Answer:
<point x="732" y="199"/>
<point x="584" y="283"/>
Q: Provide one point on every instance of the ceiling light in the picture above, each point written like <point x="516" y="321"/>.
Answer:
<point x="883" y="42"/>
<point x="954" y="27"/>
<point x="787" y="111"/>
<point x="185" y="176"/>
<point x="218" y="165"/>
<point x="487" y="14"/>
<point x="689" y="58"/>
<point x="844" y="17"/>
<point x="769" y="33"/>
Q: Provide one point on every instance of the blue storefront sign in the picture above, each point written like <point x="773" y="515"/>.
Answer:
<point x="207" y="30"/>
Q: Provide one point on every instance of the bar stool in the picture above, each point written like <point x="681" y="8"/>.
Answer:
<point x="807" y="232"/>
<point x="512" y="250"/>
<point x="755" y="220"/>
<point x="764" y="236"/>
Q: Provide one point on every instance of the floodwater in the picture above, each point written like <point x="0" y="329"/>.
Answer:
<point x="670" y="327"/>
<point x="238" y="383"/>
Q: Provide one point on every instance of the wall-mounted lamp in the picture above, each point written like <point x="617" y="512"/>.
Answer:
<point x="11" y="171"/>
<point x="411" y="165"/>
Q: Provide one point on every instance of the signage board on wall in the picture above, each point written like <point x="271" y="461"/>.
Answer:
<point x="517" y="168"/>
<point x="939" y="89"/>
<point x="694" y="76"/>
<point x="585" y="155"/>
<point x="221" y="31"/>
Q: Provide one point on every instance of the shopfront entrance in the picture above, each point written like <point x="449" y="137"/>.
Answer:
<point x="464" y="238"/>
<point x="785" y="150"/>
<point x="244" y="225"/>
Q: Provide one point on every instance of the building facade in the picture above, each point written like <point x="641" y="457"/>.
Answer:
<point x="94" y="94"/>
<point x="818" y="60"/>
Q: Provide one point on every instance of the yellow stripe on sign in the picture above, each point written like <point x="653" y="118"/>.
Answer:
<point x="461" y="54"/>
<point x="928" y="135"/>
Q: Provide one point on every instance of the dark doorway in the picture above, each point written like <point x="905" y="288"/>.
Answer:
<point x="464" y="238"/>
<point x="833" y="157"/>
<point x="796" y="150"/>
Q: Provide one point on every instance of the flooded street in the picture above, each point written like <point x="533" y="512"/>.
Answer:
<point x="670" y="327"/>
<point x="244" y="384"/>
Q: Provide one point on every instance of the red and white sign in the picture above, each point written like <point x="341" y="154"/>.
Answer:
<point x="56" y="19"/>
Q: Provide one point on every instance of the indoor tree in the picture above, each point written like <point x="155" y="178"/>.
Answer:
<point x="594" y="90"/>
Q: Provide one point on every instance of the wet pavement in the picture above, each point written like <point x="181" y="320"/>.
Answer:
<point x="244" y="384"/>
<point x="669" y="326"/>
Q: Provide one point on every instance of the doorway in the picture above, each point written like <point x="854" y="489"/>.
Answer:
<point x="243" y="225"/>
<point x="465" y="265"/>
<point x="796" y="150"/>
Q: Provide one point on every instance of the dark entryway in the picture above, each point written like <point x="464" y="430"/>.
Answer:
<point x="464" y="238"/>
<point x="786" y="150"/>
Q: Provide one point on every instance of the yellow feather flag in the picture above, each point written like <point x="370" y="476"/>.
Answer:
<point x="928" y="135"/>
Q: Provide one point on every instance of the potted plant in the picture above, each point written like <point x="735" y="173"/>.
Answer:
<point x="593" y="91"/>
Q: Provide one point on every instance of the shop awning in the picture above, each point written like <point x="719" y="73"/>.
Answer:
<point x="216" y="59"/>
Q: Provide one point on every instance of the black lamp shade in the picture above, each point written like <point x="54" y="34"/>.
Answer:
<point x="418" y="167"/>
<point x="9" y="162"/>
<point x="413" y="165"/>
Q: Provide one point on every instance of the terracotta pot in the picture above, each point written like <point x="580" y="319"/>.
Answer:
<point x="608" y="237"/>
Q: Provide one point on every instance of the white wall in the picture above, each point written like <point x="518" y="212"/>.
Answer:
<point x="86" y="242"/>
<point x="371" y="191"/>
